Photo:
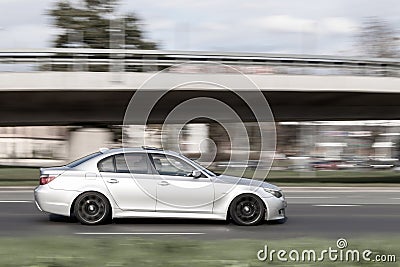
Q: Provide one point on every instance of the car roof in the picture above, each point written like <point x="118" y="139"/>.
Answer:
<point x="136" y="149"/>
<point x="104" y="153"/>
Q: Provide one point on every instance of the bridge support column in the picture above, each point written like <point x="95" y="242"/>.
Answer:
<point x="88" y="140"/>
<point x="142" y="135"/>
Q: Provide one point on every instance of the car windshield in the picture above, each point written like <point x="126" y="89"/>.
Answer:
<point x="81" y="160"/>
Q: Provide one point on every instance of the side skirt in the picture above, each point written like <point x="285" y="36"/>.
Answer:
<point x="154" y="214"/>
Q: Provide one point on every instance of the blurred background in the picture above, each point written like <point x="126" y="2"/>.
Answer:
<point x="330" y="72"/>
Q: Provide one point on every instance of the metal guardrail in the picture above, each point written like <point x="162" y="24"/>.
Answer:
<point x="73" y="59"/>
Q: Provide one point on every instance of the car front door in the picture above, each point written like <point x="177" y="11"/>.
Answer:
<point x="177" y="189"/>
<point x="130" y="181"/>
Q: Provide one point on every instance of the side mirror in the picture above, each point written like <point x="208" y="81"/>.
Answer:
<point x="196" y="174"/>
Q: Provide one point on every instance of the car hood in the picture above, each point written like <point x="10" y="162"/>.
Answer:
<point x="226" y="179"/>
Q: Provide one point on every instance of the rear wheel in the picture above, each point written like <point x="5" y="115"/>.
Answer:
<point x="247" y="209"/>
<point x="92" y="208"/>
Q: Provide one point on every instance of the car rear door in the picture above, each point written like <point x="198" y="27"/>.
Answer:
<point x="130" y="181"/>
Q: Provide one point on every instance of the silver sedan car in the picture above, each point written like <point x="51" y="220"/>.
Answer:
<point x="149" y="182"/>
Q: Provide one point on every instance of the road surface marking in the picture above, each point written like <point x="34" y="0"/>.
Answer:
<point x="395" y="198"/>
<point x="340" y="191"/>
<point x="16" y="201"/>
<point x="336" y="205"/>
<point x="16" y="191"/>
<point x="140" y="233"/>
<point x="310" y="197"/>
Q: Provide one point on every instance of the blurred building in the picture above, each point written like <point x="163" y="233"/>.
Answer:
<point x="341" y="139"/>
<point x="33" y="146"/>
<point x="52" y="145"/>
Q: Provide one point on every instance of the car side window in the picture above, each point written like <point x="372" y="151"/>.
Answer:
<point x="106" y="165"/>
<point x="170" y="165"/>
<point x="131" y="163"/>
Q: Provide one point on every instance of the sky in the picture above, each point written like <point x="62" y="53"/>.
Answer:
<point x="325" y="27"/>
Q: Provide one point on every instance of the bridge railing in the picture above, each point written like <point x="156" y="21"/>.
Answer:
<point x="115" y="60"/>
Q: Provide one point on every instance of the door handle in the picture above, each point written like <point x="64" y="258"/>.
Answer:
<point x="112" y="181"/>
<point x="163" y="183"/>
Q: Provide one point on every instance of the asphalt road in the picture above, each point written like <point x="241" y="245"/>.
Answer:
<point x="312" y="212"/>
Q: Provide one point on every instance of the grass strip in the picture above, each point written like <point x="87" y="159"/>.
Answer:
<point x="130" y="251"/>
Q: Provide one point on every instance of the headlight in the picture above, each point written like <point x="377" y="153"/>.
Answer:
<point x="275" y="193"/>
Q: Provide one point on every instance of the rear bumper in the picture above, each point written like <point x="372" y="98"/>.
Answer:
<point x="54" y="201"/>
<point x="38" y="206"/>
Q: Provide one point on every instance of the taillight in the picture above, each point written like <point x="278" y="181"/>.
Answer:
<point x="45" y="179"/>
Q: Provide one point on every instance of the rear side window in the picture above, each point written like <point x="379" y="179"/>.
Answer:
<point x="133" y="163"/>
<point x="125" y="163"/>
<point x="107" y="165"/>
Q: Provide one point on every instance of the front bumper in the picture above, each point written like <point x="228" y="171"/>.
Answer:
<point x="276" y="208"/>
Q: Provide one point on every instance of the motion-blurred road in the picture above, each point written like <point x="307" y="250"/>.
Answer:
<point x="312" y="212"/>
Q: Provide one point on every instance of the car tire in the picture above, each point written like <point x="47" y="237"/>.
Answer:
<point x="247" y="209"/>
<point x="92" y="208"/>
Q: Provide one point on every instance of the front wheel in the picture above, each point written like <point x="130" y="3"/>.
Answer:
<point x="92" y="208"/>
<point x="247" y="210"/>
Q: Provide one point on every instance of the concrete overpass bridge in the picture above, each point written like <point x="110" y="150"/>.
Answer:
<point x="93" y="87"/>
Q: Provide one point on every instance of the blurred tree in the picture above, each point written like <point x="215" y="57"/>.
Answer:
<point x="378" y="39"/>
<point x="95" y="24"/>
